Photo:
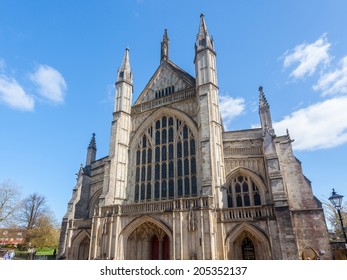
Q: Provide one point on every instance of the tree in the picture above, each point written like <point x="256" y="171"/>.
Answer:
<point x="9" y="201"/>
<point x="32" y="207"/>
<point x="333" y="219"/>
<point x="45" y="234"/>
<point x="39" y="222"/>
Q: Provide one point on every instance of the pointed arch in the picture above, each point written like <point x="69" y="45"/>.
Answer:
<point x="163" y="151"/>
<point x="93" y="202"/>
<point x="139" y="235"/>
<point x="246" y="171"/>
<point x="258" y="237"/>
<point x="244" y="188"/>
<point x="142" y="220"/>
<point x="80" y="246"/>
<point x="158" y="114"/>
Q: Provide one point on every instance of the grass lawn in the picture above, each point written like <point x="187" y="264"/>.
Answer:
<point x="45" y="251"/>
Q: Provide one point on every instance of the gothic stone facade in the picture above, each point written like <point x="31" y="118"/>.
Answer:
<point x="175" y="185"/>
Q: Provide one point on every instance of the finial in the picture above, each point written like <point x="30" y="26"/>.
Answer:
<point x="92" y="143"/>
<point x="203" y="39"/>
<point x="80" y="172"/>
<point x="164" y="54"/>
<point x="124" y="72"/>
<point x="262" y="98"/>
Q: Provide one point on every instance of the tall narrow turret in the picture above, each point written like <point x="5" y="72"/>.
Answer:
<point x="205" y="57"/>
<point x="116" y="170"/>
<point x="210" y="130"/>
<point x="209" y="123"/>
<point x="124" y="86"/>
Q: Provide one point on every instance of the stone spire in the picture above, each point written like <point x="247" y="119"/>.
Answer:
<point x="164" y="54"/>
<point x="116" y="169"/>
<point x="203" y="39"/>
<point x="91" y="152"/>
<point x="92" y="143"/>
<point x="262" y="98"/>
<point x="264" y="111"/>
<point x="124" y="86"/>
<point x="210" y="125"/>
<point x="124" y="73"/>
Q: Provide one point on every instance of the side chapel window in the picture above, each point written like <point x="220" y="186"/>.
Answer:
<point x="242" y="192"/>
<point x="165" y="161"/>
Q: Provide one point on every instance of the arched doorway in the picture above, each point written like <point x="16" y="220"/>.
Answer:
<point x="148" y="242"/>
<point x="246" y="242"/>
<point x="83" y="249"/>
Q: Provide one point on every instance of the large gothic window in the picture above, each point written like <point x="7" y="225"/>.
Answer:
<point x="165" y="161"/>
<point x="242" y="192"/>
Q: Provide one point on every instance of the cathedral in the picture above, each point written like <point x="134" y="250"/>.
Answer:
<point x="177" y="186"/>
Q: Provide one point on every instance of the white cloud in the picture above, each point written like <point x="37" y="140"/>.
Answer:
<point x="230" y="108"/>
<point x="51" y="84"/>
<point x="334" y="82"/>
<point x="319" y="126"/>
<point x="308" y="56"/>
<point x="12" y="94"/>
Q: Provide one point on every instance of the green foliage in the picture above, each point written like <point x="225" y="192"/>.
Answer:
<point x="45" y="251"/>
<point x="44" y="234"/>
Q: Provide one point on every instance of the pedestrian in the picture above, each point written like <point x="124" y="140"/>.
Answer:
<point x="6" y="256"/>
<point x="30" y="254"/>
<point x="11" y="254"/>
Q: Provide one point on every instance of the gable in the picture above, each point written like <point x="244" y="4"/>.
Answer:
<point x="168" y="79"/>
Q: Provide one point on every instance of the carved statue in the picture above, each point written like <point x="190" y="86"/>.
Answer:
<point x="191" y="220"/>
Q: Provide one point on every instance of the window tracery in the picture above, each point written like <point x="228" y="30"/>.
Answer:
<point x="167" y="149"/>
<point x="242" y="191"/>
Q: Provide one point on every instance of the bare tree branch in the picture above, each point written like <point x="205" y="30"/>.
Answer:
<point x="9" y="200"/>
<point x="332" y="217"/>
<point x="32" y="208"/>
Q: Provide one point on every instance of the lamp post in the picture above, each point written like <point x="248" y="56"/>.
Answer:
<point x="336" y="200"/>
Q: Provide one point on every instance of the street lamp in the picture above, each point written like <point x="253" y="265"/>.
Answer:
<point x="336" y="200"/>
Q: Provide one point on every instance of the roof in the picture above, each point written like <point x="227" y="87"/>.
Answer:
<point x="167" y="74"/>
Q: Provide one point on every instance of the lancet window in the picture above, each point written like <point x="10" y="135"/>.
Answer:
<point x="165" y="161"/>
<point x="164" y="92"/>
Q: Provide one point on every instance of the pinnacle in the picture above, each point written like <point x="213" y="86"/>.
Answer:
<point x="203" y="37"/>
<point x="124" y="73"/>
<point x="92" y="143"/>
<point x="262" y="99"/>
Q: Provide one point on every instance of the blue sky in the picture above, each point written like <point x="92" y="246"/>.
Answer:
<point x="59" y="60"/>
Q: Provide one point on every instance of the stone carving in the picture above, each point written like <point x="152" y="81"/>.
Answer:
<point x="106" y="223"/>
<point x="191" y="219"/>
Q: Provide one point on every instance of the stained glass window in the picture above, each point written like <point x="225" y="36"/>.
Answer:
<point x="168" y="150"/>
